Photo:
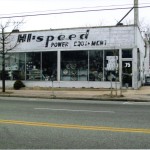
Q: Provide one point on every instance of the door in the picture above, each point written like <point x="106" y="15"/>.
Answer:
<point x="127" y="73"/>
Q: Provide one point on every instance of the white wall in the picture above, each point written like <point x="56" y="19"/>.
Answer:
<point x="117" y="37"/>
<point x="74" y="84"/>
<point x="75" y="39"/>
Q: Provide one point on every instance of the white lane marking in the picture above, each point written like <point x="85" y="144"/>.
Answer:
<point x="127" y="103"/>
<point x="32" y="99"/>
<point x="73" y="110"/>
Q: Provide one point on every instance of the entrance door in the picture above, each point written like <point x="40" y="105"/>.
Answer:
<point x="127" y="73"/>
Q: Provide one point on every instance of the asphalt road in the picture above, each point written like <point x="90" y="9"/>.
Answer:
<point x="61" y="124"/>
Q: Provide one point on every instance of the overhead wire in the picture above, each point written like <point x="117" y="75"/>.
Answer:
<point x="68" y="9"/>
<point x="69" y="12"/>
<point x="73" y="8"/>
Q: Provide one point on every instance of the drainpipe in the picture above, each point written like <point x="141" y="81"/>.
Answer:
<point x="146" y="41"/>
<point x="147" y="47"/>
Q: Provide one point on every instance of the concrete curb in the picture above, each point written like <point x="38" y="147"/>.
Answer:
<point x="80" y="98"/>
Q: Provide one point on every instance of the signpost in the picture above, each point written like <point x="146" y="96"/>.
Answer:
<point x="52" y="79"/>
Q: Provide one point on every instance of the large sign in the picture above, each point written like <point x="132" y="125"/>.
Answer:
<point x="61" y="40"/>
<point x="74" y="39"/>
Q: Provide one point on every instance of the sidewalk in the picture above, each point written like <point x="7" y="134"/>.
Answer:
<point x="142" y="94"/>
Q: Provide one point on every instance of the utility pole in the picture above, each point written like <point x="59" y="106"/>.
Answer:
<point x="136" y="13"/>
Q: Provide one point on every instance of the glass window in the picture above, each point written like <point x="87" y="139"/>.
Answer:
<point x="96" y="66"/>
<point x="74" y="66"/>
<point x="127" y="53"/>
<point x="127" y="73"/>
<point x="6" y="72"/>
<point x="49" y="65"/>
<point x="33" y="65"/>
<point x="0" y="66"/>
<point x="14" y="66"/>
<point x="111" y="65"/>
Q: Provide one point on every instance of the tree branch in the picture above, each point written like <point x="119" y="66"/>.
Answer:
<point x="12" y="47"/>
<point x="16" y="26"/>
<point x="6" y="39"/>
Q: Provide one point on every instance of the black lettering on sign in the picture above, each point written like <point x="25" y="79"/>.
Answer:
<point x="33" y="37"/>
<point x="49" y="38"/>
<point x="79" y="43"/>
<point x="61" y="37"/>
<point x="59" y="44"/>
<point x="29" y="37"/>
<point x="98" y="43"/>
<point x="39" y="38"/>
<point x="22" y="37"/>
<point x="84" y="36"/>
<point x="72" y="36"/>
<point x="93" y="43"/>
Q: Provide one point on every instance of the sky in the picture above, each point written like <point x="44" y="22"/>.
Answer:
<point x="69" y="20"/>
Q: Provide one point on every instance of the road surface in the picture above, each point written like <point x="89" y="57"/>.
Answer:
<point x="74" y="124"/>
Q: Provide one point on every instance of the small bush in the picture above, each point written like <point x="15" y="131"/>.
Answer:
<point x="18" y="84"/>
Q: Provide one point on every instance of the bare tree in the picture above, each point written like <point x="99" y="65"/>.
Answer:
<point x="147" y="33"/>
<point x="7" y="44"/>
<point x="145" y="29"/>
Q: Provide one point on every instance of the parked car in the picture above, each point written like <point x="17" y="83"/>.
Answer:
<point x="147" y="81"/>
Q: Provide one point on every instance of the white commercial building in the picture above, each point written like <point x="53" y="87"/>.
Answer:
<point x="95" y="57"/>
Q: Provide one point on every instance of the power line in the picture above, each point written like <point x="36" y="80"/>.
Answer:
<point x="68" y="9"/>
<point x="69" y="12"/>
<point x="71" y="9"/>
<point x="74" y="8"/>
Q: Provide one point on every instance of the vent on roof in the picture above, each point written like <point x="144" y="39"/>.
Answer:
<point x="15" y="30"/>
<point x="119" y="24"/>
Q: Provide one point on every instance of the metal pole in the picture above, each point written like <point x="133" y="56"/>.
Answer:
<point x="111" y="84"/>
<point x="52" y="89"/>
<point x="121" y="85"/>
<point x="52" y="79"/>
<point x="124" y="16"/>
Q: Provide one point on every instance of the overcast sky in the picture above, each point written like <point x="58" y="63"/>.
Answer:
<point x="11" y="7"/>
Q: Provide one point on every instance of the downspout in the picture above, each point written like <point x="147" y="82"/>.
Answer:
<point x="146" y="45"/>
<point x="146" y="50"/>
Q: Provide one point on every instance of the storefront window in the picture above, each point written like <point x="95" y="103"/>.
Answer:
<point x="103" y="66"/>
<point x="14" y="66"/>
<point x="111" y="65"/>
<point x="0" y="67"/>
<point x="127" y="53"/>
<point x="33" y="65"/>
<point x="74" y="66"/>
<point x="96" y="66"/>
<point x="49" y="66"/>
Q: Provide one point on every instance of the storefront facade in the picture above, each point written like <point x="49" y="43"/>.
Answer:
<point x="97" y="57"/>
